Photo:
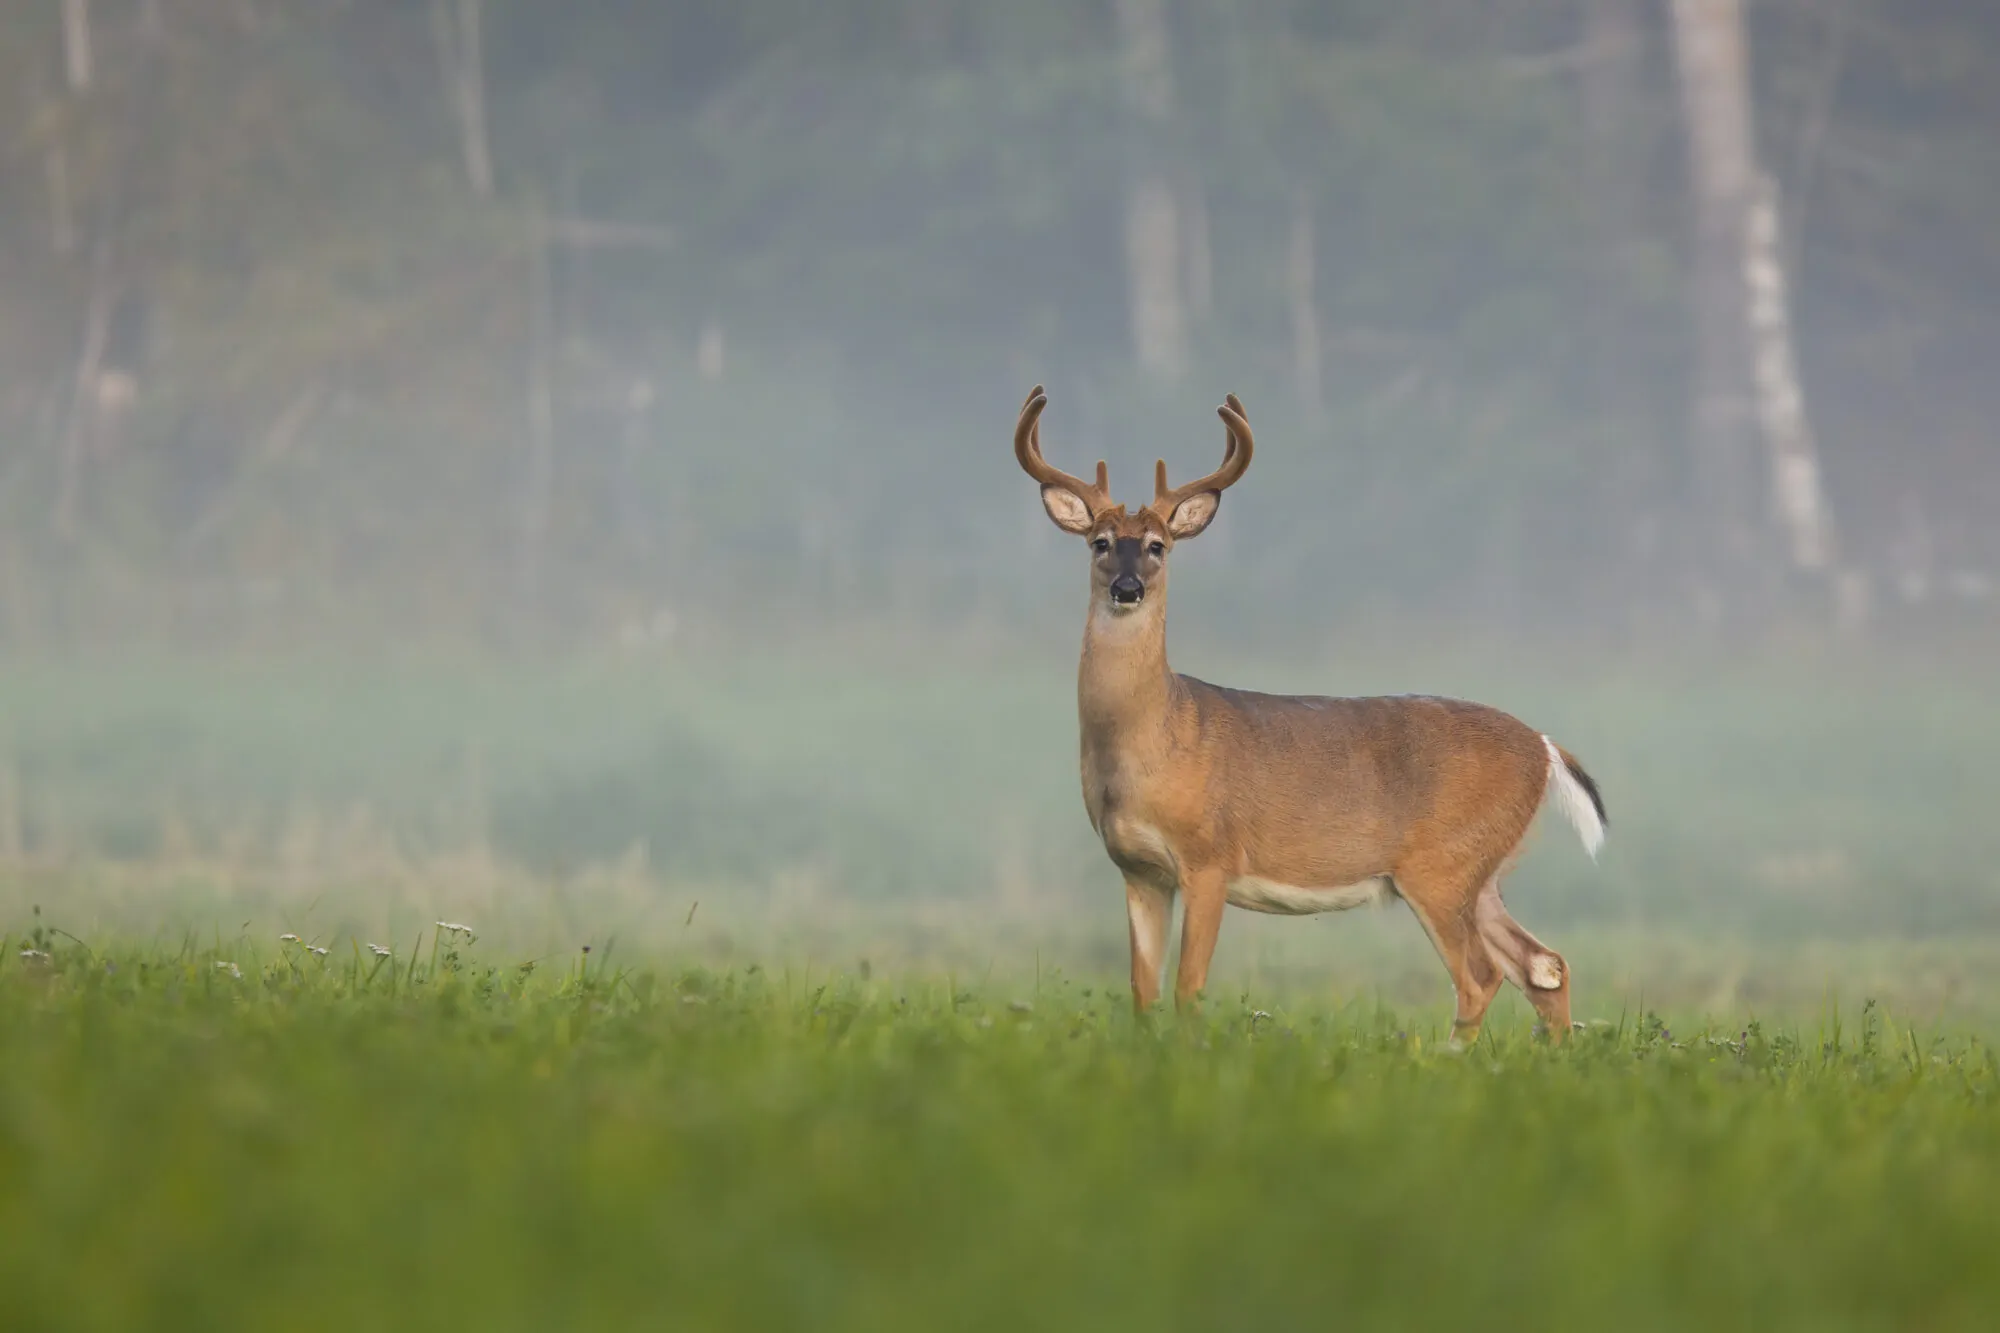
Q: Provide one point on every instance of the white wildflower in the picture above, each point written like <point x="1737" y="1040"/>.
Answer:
<point x="222" y="965"/>
<point x="35" y="955"/>
<point x="455" y="928"/>
<point x="316" y="950"/>
<point x="379" y="951"/>
<point x="288" y="938"/>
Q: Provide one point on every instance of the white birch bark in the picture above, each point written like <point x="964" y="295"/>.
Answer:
<point x="1798" y="499"/>
<point x="1153" y="242"/>
<point x="1714" y="89"/>
<point x="77" y="58"/>
<point x="456" y="31"/>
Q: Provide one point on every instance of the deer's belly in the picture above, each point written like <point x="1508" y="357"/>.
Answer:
<point x="1266" y="895"/>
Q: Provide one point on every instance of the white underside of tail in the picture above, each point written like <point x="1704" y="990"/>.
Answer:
<point x="1568" y="796"/>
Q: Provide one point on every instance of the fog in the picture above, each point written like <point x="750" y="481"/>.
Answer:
<point x="555" y="461"/>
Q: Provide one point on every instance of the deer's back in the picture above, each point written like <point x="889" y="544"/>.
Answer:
<point x="1321" y="792"/>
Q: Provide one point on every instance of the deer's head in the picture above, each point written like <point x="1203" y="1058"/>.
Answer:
<point x="1128" y="552"/>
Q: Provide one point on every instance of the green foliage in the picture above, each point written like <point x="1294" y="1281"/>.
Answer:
<point x="231" y="1133"/>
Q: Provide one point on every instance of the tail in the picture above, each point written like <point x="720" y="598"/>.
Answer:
<point x="1575" y="794"/>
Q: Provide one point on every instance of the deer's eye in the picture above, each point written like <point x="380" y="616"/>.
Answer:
<point x="1101" y="545"/>
<point x="1156" y="549"/>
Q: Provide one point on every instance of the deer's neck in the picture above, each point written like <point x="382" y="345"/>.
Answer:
<point x="1124" y="686"/>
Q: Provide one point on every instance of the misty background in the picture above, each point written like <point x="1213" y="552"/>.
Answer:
<point x="454" y="449"/>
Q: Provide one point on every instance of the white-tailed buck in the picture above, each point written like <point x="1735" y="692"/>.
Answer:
<point x="1291" y="804"/>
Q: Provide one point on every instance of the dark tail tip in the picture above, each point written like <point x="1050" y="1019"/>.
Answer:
<point x="1589" y="785"/>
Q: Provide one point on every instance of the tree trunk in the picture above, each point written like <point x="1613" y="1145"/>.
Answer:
<point x="538" y="472"/>
<point x="1798" y="500"/>
<point x="83" y="393"/>
<point x="1715" y="108"/>
<point x="76" y="44"/>
<point x="1155" y="266"/>
<point x="1747" y="363"/>
<point x="456" y="27"/>
<point x="1300" y="282"/>
<point x="472" y="96"/>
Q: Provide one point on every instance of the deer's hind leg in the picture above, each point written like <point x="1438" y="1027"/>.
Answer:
<point x="1444" y="900"/>
<point x="1539" y="971"/>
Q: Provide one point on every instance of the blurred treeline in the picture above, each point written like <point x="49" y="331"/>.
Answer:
<point x="481" y="320"/>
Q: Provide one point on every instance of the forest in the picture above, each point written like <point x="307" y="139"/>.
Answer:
<point x="480" y="322"/>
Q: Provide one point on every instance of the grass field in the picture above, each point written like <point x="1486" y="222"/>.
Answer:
<point x="851" y="1046"/>
<point x="253" y="1136"/>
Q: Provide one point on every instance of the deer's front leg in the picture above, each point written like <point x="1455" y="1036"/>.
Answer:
<point x="1204" y="894"/>
<point x="1150" y="910"/>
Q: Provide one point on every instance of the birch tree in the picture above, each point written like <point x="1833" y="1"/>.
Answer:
<point x="77" y="57"/>
<point x="1154" y="260"/>
<point x="1714" y="90"/>
<point x="456" y="32"/>
<point x="1746" y="369"/>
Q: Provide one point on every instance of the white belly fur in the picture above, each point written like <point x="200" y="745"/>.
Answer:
<point x="1263" y="895"/>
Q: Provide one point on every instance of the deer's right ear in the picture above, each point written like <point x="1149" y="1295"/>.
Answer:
<point x="1067" y="510"/>
<point x="1193" y="515"/>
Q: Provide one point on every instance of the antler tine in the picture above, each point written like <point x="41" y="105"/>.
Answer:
<point x="1238" y="446"/>
<point x="1028" y="450"/>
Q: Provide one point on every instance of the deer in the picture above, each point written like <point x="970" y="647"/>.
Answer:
<point x="1291" y="804"/>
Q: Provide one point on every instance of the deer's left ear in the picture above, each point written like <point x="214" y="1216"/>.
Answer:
<point x="1066" y="510"/>
<point x="1193" y="514"/>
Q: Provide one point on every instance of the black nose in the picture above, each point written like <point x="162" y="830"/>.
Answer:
<point x="1126" y="590"/>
